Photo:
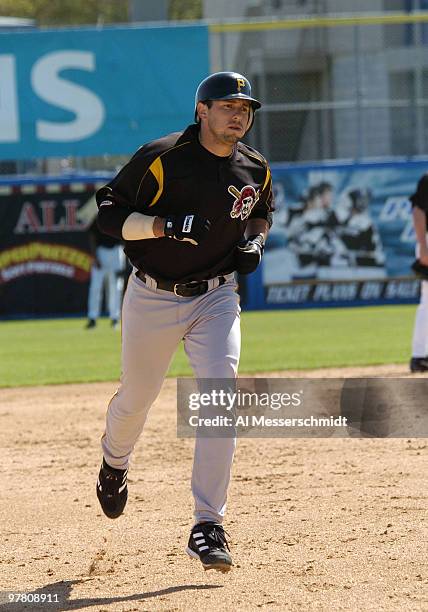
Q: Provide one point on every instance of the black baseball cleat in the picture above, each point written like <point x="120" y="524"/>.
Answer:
<point x="91" y="324"/>
<point x="419" y="364"/>
<point x="112" y="490"/>
<point x="208" y="543"/>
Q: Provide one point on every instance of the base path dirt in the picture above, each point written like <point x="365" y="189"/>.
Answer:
<point x="314" y="524"/>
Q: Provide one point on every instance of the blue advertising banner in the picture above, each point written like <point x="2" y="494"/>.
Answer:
<point x="96" y="91"/>
<point x="342" y="234"/>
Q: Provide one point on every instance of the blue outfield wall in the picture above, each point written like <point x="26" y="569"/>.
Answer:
<point x="351" y="245"/>
<point x="342" y="236"/>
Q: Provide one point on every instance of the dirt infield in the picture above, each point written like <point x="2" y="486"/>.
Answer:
<point x="331" y="524"/>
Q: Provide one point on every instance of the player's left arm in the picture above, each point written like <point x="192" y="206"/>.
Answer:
<point x="260" y="219"/>
<point x="250" y="251"/>
<point x="257" y="226"/>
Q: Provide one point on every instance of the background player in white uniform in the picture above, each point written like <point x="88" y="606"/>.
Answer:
<point x="419" y="200"/>
<point x="193" y="208"/>
<point x="108" y="267"/>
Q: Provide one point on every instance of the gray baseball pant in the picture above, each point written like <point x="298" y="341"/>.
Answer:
<point x="153" y="324"/>
<point x="420" y="329"/>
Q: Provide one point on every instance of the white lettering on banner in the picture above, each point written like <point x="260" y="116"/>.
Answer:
<point x="30" y="222"/>
<point x="326" y="292"/>
<point x="371" y="290"/>
<point x="408" y="233"/>
<point x="398" y="208"/>
<point x="9" y="121"/>
<point x="395" y="207"/>
<point x="50" y="87"/>
<point x="37" y="267"/>
<point x="295" y="294"/>
<point x="402" y="289"/>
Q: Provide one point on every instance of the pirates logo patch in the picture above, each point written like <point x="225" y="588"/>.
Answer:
<point x="245" y="201"/>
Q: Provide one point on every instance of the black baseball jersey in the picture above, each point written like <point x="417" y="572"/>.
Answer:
<point x="177" y="175"/>
<point x="101" y="239"/>
<point x="420" y="197"/>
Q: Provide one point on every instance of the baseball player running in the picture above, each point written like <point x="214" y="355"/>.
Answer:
<point x="193" y="207"/>
<point x="419" y="200"/>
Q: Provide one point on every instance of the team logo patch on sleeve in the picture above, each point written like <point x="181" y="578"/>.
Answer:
<point x="245" y="200"/>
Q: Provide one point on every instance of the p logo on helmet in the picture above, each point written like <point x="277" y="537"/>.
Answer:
<point x="240" y="84"/>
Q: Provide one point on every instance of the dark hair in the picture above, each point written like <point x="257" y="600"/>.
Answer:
<point x="324" y="186"/>
<point x="360" y="198"/>
<point x="209" y="103"/>
<point x="313" y="192"/>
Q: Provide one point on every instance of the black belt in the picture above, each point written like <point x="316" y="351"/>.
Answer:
<point x="191" y="289"/>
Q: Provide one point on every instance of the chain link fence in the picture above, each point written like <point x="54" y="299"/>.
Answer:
<point x="333" y="87"/>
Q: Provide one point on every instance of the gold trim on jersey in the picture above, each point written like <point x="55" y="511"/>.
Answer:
<point x="254" y="155"/>
<point x="156" y="169"/>
<point x="158" y="172"/>
<point x="268" y="175"/>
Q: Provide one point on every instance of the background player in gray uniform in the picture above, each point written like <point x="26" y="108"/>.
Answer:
<point x="193" y="208"/>
<point x="108" y="265"/>
<point x="419" y="200"/>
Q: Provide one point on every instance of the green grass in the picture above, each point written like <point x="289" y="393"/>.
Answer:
<point x="62" y="351"/>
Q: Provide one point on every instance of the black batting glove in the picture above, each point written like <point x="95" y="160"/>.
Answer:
<point x="419" y="269"/>
<point x="187" y="228"/>
<point x="249" y="254"/>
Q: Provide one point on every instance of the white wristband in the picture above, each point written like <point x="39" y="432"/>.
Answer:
<point x="138" y="227"/>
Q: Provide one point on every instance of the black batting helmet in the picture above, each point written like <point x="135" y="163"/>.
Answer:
<point x="226" y="86"/>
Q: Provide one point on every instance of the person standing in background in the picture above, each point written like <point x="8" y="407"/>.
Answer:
<point x="108" y="264"/>
<point x="419" y="200"/>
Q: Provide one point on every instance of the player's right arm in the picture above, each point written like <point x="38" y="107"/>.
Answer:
<point x="117" y="218"/>
<point x="419" y="202"/>
<point x="117" y="200"/>
<point x="420" y="225"/>
<point x="123" y="203"/>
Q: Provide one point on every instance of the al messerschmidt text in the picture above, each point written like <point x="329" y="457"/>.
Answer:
<point x="262" y="421"/>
